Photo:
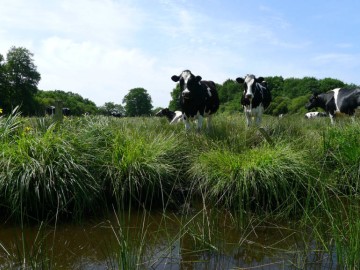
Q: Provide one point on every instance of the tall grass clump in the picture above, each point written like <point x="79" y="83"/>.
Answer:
<point x="263" y="178"/>
<point x="144" y="166"/>
<point x="342" y="155"/>
<point x="9" y="124"/>
<point x="40" y="175"/>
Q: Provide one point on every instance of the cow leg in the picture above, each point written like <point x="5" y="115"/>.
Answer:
<point x="187" y="123"/>
<point x="332" y="118"/>
<point x="258" y="119"/>
<point x="200" y="121"/>
<point x="209" y="125"/>
<point x="248" y="119"/>
<point x="259" y="113"/>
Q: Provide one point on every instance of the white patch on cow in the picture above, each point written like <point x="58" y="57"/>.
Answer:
<point x="209" y="91"/>
<point x="177" y="118"/>
<point x="186" y="91"/>
<point x="311" y="114"/>
<point x="249" y="80"/>
<point x="185" y="75"/>
<point x="336" y="93"/>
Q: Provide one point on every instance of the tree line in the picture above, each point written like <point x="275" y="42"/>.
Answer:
<point x="19" y="80"/>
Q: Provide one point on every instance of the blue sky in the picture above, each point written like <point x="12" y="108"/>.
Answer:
<point x="101" y="49"/>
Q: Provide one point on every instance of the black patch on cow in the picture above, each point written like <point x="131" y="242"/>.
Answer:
<point x="50" y="110"/>
<point x="66" y="111"/>
<point x="326" y="101"/>
<point x="348" y="100"/>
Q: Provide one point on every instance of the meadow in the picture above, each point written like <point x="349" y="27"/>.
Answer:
<point x="307" y="175"/>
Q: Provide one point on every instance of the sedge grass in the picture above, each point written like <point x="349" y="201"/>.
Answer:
<point x="143" y="165"/>
<point x="265" y="176"/>
<point x="39" y="175"/>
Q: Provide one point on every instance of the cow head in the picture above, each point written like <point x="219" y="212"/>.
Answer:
<point x="163" y="112"/>
<point x="249" y="83"/>
<point x="313" y="102"/>
<point x="188" y="82"/>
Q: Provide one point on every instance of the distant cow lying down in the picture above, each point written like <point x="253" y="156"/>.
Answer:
<point x="315" y="115"/>
<point x="173" y="117"/>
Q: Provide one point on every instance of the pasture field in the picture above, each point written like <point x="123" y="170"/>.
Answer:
<point x="86" y="167"/>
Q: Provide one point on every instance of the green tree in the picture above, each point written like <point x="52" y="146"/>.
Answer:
<point x="76" y="103"/>
<point x="276" y="85"/>
<point x="279" y="105"/>
<point x="22" y="79"/>
<point x="229" y="90"/>
<point x="174" y="104"/>
<point x="110" y="107"/>
<point x="295" y="87"/>
<point x="4" y="99"/>
<point x="328" y="84"/>
<point x="137" y="102"/>
<point x="297" y="105"/>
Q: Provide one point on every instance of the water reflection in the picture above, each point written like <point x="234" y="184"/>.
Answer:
<point x="159" y="241"/>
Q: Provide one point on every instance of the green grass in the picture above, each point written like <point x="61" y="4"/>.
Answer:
<point x="265" y="178"/>
<point x="88" y="165"/>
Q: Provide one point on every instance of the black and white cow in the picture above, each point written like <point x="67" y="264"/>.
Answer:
<point x="310" y="115"/>
<point x="255" y="98"/>
<point x="173" y="117"/>
<point x="338" y="100"/>
<point x="198" y="98"/>
<point x="115" y="113"/>
<point x="50" y="110"/>
<point x="66" y="111"/>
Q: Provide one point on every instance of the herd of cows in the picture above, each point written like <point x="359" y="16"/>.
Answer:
<point x="199" y="99"/>
<point x="50" y="110"/>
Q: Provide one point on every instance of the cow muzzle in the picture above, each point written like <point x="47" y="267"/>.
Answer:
<point x="186" y="94"/>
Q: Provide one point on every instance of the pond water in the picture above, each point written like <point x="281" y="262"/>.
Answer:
<point x="163" y="241"/>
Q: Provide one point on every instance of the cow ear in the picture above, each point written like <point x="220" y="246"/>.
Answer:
<point x="198" y="78"/>
<point x="240" y="80"/>
<point x="175" y="78"/>
<point x="260" y="79"/>
<point x="264" y="83"/>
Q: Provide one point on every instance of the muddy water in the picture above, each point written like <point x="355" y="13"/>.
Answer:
<point x="162" y="241"/>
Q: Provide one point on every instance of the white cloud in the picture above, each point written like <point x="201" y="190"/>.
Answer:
<point x="96" y="72"/>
